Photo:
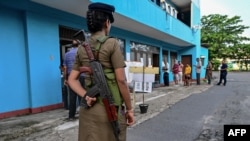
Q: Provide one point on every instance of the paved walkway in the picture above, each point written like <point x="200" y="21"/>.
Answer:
<point x="159" y="99"/>
<point x="164" y="97"/>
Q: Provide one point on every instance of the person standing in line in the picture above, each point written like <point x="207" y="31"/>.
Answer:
<point x="175" y="71"/>
<point x="69" y="59"/>
<point x="94" y="124"/>
<point x="187" y="75"/>
<point x="209" y="70"/>
<point x="166" y="73"/>
<point x="64" y="88"/>
<point x="180" y="73"/>
<point x="223" y="73"/>
<point x="198" y="71"/>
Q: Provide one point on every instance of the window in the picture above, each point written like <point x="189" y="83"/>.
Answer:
<point x="139" y="50"/>
<point x="66" y="37"/>
<point x="173" y="57"/>
<point x="165" y="59"/>
<point x="173" y="11"/>
<point x="169" y="9"/>
<point x="132" y="55"/>
<point x="138" y="56"/>
<point x="202" y="58"/>
<point x="158" y="2"/>
<point x="122" y="46"/>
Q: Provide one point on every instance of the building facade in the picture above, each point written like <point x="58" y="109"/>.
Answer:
<point x="35" y="34"/>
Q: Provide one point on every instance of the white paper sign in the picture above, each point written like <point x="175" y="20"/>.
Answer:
<point x="147" y="87"/>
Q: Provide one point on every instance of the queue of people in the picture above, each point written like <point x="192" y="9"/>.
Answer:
<point x="178" y="69"/>
<point x="72" y="100"/>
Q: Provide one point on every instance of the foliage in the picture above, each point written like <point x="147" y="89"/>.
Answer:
<point x="216" y="63"/>
<point x="229" y="66"/>
<point x="224" y="37"/>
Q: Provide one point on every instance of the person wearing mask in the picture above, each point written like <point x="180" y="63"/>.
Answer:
<point x="69" y="59"/>
<point x="93" y="122"/>
<point x="223" y="73"/>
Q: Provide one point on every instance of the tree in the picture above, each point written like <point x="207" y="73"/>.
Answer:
<point x="243" y="54"/>
<point x="222" y="34"/>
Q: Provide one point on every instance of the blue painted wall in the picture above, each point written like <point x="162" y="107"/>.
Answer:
<point x="45" y="77"/>
<point x="44" y="60"/>
<point x="195" y="20"/>
<point x="14" y="90"/>
<point x="204" y="53"/>
<point x="30" y="52"/>
<point x="151" y="15"/>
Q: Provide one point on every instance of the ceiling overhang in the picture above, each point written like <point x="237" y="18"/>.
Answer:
<point x="122" y="22"/>
<point x="181" y="3"/>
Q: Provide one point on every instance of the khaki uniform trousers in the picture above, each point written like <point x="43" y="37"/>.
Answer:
<point x="94" y="125"/>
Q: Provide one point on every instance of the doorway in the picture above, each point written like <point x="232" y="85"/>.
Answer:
<point x="186" y="59"/>
<point x="66" y="37"/>
<point x="156" y="64"/>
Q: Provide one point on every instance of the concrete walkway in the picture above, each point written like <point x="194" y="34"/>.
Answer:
<point x="159" y="99"/>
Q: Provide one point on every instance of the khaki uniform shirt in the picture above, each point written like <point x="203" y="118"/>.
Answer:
<point x="110" y="55"/>
<point x="209" y="70"/>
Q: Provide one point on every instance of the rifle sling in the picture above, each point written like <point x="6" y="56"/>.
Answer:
<point x="100" y="41"/>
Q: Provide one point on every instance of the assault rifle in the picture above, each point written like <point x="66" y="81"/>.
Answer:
<point x="100" y="86"/>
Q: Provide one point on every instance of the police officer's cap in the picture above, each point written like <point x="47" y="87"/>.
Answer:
<point x="104" y="8"/>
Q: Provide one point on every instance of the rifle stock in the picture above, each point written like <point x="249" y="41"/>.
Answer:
<point x="111" y="110"/>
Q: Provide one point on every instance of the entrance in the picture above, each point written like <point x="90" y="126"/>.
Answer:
<point x="186" y="59"/>
<point x="173" y="57"/>
<point x="66" y="37"/>
<point x="156" y="64"/>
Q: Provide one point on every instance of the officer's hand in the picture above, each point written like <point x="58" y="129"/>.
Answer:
<point x="130" y="118"/>
<point x="90" y="101"/>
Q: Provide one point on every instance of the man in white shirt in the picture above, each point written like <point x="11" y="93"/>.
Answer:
<point x="165" y="67"/>
<point x="180" y="73"/>
<point x="198" y="70"/>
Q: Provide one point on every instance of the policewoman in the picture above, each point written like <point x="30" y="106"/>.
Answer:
<point x="93" y="122"/>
